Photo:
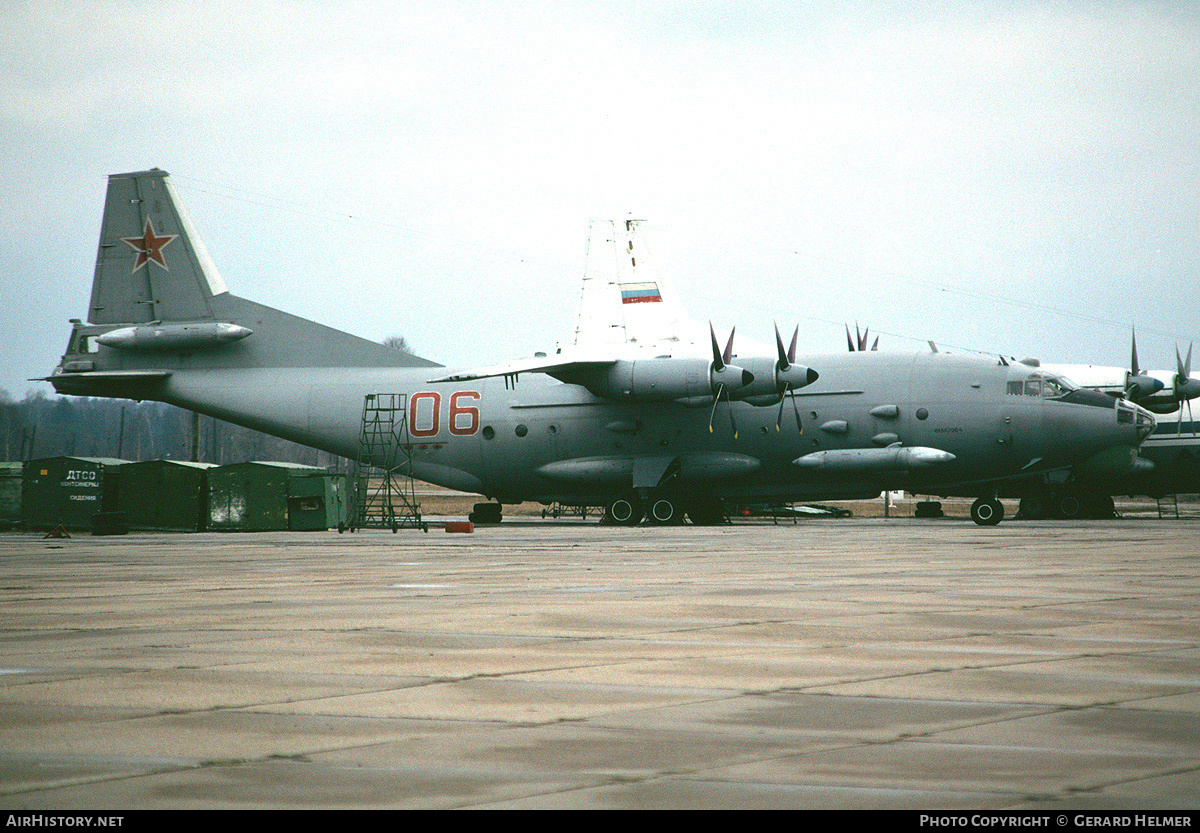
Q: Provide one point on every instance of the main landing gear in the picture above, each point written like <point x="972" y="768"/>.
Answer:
<point x="626" y="510"/>
<point x="663" y="508"/>
<point x="486" y="513"/>
<point x="1066" y="503"/>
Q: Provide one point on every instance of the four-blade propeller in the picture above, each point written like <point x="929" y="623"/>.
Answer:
<point x="862" y="335"/>
<point x="1157" y="395"/>
<point x="725" y="377"/>
<point x="1186" y="388"/>
<point x="789" y="376"/>
<point x="770" y="382"/>
<point x="1137" y="383"/>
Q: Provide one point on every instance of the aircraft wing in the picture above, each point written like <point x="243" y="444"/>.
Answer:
<point x="550" y="365"/>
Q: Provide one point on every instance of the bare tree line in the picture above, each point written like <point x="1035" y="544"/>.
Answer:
<point x="39" y="426"/>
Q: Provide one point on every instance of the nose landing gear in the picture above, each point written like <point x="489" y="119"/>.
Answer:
<point x="987" y="511"/>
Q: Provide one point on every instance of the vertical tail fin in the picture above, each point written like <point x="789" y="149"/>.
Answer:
<point x="151" y="264"/>
<point x="625" y="300"/>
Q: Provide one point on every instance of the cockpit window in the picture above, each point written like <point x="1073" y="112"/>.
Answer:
<point x="1041" y="385"/>
<point x="1054" y="387"/>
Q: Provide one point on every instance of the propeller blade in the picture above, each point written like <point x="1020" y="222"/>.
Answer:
<point x="718" y="359"/>
<point x="791" y="353"/>
<point x="863" y="336"/>
<point x="1138" y="385"/>
<point x="713" y="413"/>
<point x="727" y="356"/>
<point x="1182" y="369"/>
<point x="1186" y="388"/>
<point x="783" y="363"/>
<point x="795" y="408"/>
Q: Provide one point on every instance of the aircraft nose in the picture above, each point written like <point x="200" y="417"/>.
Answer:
<point x="1143" y="421"/>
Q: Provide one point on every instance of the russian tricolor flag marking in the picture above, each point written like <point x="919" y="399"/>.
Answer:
<point x="640" y="293"/>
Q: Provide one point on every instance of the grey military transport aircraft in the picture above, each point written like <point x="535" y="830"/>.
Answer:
<point x="650" y="437"/>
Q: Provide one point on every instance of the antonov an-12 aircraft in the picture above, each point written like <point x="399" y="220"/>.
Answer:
<point x="652" y="437"/>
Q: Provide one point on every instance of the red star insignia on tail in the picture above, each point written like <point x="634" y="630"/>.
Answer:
<point x="149" y="246"/>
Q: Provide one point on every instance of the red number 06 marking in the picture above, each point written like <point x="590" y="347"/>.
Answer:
<point x="425" y="414"/>
<point x="464" y="419"/>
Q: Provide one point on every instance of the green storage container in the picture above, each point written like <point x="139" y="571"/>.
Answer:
<point x="165" y="495"/>
<point x="260" y="496"/>
<point x="69" y="491"/>
<point x="11" y="476"/>
<point x="317" y="500"/>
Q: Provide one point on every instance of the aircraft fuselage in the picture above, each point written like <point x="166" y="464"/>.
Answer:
<point x="585" y="429"/>
<point x="540" y="439"/>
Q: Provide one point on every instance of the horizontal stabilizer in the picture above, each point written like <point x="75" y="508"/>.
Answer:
<point x="129" y="384"/>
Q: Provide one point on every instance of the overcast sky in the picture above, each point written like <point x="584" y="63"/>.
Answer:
<point x="1012" y="177"/>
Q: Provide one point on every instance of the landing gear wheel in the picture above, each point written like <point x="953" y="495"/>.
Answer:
<point x="486" y="513"/>
<point x="1034" y="506"/>
<point x="987" y="511"/>
<point x="624" y="511"/>
<point x="706" y="511"/>
<point x="665" y="511"/>
<point x="1102" y="507"/>
<point x="1068" y="505"/>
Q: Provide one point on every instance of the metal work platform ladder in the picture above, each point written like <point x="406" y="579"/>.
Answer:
<point x="384" y="494"/>
<point x="1168" y="506"/>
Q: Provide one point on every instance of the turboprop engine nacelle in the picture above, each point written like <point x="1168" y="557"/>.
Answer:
<point x="689" y="381"/>
<point x="771" y="380"/>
